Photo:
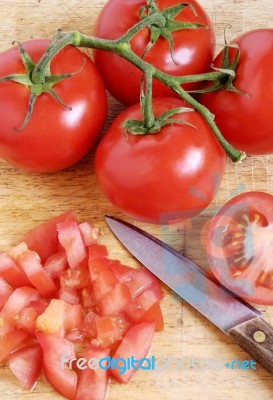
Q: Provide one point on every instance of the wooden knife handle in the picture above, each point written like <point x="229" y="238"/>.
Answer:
<point x="256" y="337"/>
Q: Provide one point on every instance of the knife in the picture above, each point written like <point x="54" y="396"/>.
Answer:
<point x="238" y="319"/>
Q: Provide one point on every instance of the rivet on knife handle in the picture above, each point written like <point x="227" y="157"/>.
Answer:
<point x="256" y="337"/>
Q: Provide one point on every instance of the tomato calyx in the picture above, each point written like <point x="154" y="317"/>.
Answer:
<point x="169" y="25"/>
<point x="42" y="82"/>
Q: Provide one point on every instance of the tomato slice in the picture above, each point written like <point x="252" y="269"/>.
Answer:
<point x="26" y="365"/>
<point x="43" y="238"/>
<point x="5" y="292"/>
<point x="116" y="301"/>
<point x="71" y="239"/>
<point x="11" y="342"/>
<point x="30" y="263"/>
<point x="56" y="351"/>
<point x="136" y="343"/>
<point x="11" y="272"/>
<point x="93" y="382"/>
<point x="239" y="244"/>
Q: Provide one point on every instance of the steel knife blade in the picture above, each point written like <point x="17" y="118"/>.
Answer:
<point x="238" y="319"/>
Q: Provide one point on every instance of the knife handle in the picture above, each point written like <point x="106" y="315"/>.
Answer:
<point x="256" y="337"/>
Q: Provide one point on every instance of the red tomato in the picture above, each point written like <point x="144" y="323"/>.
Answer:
<point x="56" y="264"/>
<point x="71" y="239"/>
<point x="93" y="382"/>
<point x="55" y="137"/>
<point x="44" y="238"/>
<point x="56" y="352"/>
<point x="154" y="177"/>
<point x="245" y="121"/>
<point x="115" y="301"/>
<point x="69" y="295"/>
<point x="108" y="331"/>
<point x="137" y="343"/>
<point x="154" y="314"/>
<point x="26" y="364"/>
<point x="11" y="272"/>
<point x="240" y="240"/>
<point x="11" y="342"/>
<point x="77" y="278"/>
<point x="103" y="284"/>
<point x="193" y="49"/>
<point x="5" y="292"/>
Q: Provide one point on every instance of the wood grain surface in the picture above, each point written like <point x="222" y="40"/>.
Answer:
<point x="27" y="199"/>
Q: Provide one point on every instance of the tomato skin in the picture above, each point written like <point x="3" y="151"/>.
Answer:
<point x="55" y="137"/>
<point x="239" y="246"/>
<point x="193" y="49"/>
<point x="246" y="121"/>
<point x="177" y="170"/>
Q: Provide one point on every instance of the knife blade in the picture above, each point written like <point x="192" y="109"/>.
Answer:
<point x="235" y="317"/>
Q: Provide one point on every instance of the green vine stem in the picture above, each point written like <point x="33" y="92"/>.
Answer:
<point x="122" y="47"/>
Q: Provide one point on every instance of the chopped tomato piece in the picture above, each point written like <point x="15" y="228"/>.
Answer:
<point x="93" y="382"/>
<point x="20" y="298"/>
<point x="103" y="284"/>
<point x="154" y="314"/>
<point x="87" y="297"/>
<point x="89" y="234"/>
<point x="139" y="280"/>
<point x="39" y="305"/>
<point x="39" y="278"/>
<point x="5" y="292"/>
<point x="11" y="342"/>
<point x="115" y="301"/>
<point x="44" y="239"/>
<point x="27" y="319"/>
<point x="26" y="364"/>
<point x="76" y="336"/>
<point x="52" y="321"/>
<point x="137" y="343"/>
<point x="69" y="295"/>
<point x="73" y="317"/>
<point x="98" y="265"/>
<point x="97" y="251"/>
<point x="122" y="272"/>
<point x="57" y="352"/>
<point x="11" y="272"/>
<point x="89" y="325"/>
<point x="108" y="331"/>
<point x="56" y="264"/>
<point x="144" y="302"/>
<point x="77" y="278"/>
<point x="70" y="238"/>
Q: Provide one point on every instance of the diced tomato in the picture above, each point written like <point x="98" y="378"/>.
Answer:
<point x="89" y="325"/>
<point x="137" y="343"/>
<point x="56" y="352"/>
<point x="93" y="382"/>
<point x="44" y="239"/>
<point x="108" y="331"/>
<point x="122" y="272"/>
<point x="27" y="319"/>
<point x="87" y="297"/>
<point x="89" y="234"/>
<point x="39" y="278"/>
<point x="75" y="336"/>
<point x="11" y="342"/>
<point x="70" y="238"/>
<point x="26" y="364"/>
<point x="77" y="278"/>
<point x="98" y="265"/>
<point x="69" y="295"/>
<point x="97" y="251"/>
<point x="20" y="298"/>
<point x="139" y="280"/>
<point x="5" y="292"/>
<point x="52" y="321"/>
<point x="73" y="317"/>
<point x="123" y="323"/>
<point x="39" y="305"/>
<point x="56" y="264"/>
<point x="154" y="314"/>
<point x="11" y="272"/>
<point x="117" y="300"/>
<point x="144" y="302"/>
<point x="103" y="284"/>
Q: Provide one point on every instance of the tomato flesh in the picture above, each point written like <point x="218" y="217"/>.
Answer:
<point x="239" y="245"/>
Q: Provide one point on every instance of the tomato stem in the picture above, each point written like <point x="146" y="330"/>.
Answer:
<point x="121" y="46"/>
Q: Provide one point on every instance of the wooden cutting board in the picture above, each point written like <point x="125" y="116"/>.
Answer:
<point x="27" y="199"/>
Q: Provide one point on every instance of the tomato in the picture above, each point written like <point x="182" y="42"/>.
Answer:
<point x="5" y="292"/>
<point x="44" y="238"/>
<point x="57" y="351"/>
<point x="115" y="301"/>
<point x="77" y="278"/>
<point x="154" y="314"/>
<point x="71" y="239"/>
<point x="137" y="343"/>
<point x="27" y="319"/>
<point x="54" y="137"/>
<point x="93" y="382"/>
<point x="69" y="295"/>
<point x="239" y="246"/>
<point x="236" y="114"/>
<point x="89" y="233"/>
<point x="108" y="331"/>
<point x="26" y="364"/>
<point x="11" y="342"/>
<point x="56" y="264"/>
<point x="103" y="284"/>
<point x="152" y="177"/>
<point x="11" y="272"/>
<point x="193" y="49"/>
